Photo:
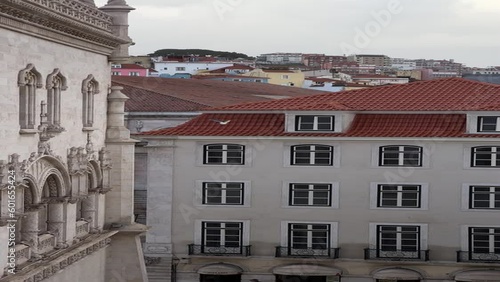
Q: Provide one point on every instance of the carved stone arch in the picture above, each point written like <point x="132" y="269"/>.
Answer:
<point x="56" y="82"/>
<point x="52" y="184"/>
<point x="42" y="167"/>
<point x="24" y="76"/>
<point x="28" y="80"/>
<point x="90" y="87"/>
<point x="94" y="175"/>
<point x="30" y="192"/>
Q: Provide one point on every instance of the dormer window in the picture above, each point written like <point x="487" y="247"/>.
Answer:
<point x="488" y="124"/>
<point x="314" y="123"/>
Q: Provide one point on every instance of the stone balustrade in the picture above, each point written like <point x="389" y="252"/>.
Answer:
<point x="46" y="243"/>
<point x="23" y="253"/>
<point x="82" y="228"/>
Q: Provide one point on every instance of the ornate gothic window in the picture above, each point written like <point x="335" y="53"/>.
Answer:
<point x="90" y="87"/>
<point x="29" y="79"/>
<point x="56" y="83"/>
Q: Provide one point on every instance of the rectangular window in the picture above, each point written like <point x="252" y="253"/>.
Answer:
<point x="229" y="193"/>
<point x="222" y="234"/>
<point x="488" y="124"/>
<point x="402" y="238"/>
<point x="309" y="236"/>
<point x="314" y="123"/>
<point x="310" y="195"/>
<point x="319" y="155"/>
<point x="180" y="68"/>
<point x="400" y="156"/>
<point x="485" y="157"/>
<point x="285" y="76"/>
<point x="484" y="197"/>
<point x="229" y="154"/>
<point x="484" y="240"/>
<point x="133" y="73"/>
<point x="116" y="73"/>
<point x="398" y="196"/>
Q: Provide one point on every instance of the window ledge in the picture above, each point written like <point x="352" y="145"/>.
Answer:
<point x="88" y="129"/>
<point x="29" y="131"/>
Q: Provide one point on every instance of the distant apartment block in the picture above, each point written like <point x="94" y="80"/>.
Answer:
<point x="129" y="70"/>
<point x="322" y="61"/>
<point x="366" y="59"/>
<point x="284" y="77"/>
<point x="171" y="68"/>
<point x="281" y="58"/>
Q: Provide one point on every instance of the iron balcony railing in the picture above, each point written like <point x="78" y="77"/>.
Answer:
<point x="397" y="255"/>
<point x="332" y="253"/>
<point x="219" y="250"/>
<point x="478" y="257"/>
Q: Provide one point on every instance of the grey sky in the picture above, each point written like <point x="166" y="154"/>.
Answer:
<point x="464" y="30"/>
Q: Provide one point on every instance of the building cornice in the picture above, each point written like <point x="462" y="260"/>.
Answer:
<point x="68" y="22"/>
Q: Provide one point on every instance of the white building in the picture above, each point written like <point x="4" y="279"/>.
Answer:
<point x="283" y="58"/>
<point x="394" y="183"/>
<point x="66" y="159"/>
<point x="173" y="68"/>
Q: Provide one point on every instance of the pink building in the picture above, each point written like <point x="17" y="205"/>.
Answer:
<point x="129" y="70"/>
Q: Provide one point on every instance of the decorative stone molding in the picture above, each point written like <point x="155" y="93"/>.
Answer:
<point x="152" y="260"/>
<point x="56" y="82"/>
<point x="70" y="18"/>
<point x="17" y="166"/>
<point x="105" y="160"/>
<point x="51" y="264"/>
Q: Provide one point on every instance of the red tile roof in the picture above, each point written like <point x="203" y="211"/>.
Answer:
<point x="449" y="94"/>
<point x="364" y="125"/>
<point x="155" y="94"/>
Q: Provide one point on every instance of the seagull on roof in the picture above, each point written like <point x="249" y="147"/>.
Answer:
<point x="221" y="122"/>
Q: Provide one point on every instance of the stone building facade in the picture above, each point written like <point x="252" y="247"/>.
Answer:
<point x="66" y="159"/>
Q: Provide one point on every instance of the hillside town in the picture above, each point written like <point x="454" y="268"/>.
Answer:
<point x="196" y="165"/>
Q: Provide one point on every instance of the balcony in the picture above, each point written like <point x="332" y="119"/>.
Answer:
<point x="204" y="250"/>
<point x="478" y="257"/>
<point x="398" y="255"/>
<point x="82" y="228"/>
<point x="46" y="243"/>
<point x="330" y="253"/>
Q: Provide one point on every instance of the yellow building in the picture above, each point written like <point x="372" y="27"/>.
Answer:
<point x="293" y="78"/>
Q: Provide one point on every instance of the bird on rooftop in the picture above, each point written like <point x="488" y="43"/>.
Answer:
<point x="221" y="122"/>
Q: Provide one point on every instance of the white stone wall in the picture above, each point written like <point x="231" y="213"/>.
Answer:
<point x="91" y="268"/>
<point x="16" y="51"/>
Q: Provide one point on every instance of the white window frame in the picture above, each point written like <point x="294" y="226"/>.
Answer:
<point x="423" y="233"/>
<point x="118" y="73"/>
<point x="230" y="168"/>
<point x="134" y="73"/>
<point x="247" y="194"/>
<point x="473" y="123"/>
<point x="400" y="156"/>
<point x="464" y="235"/>
<point x="334" y="195"/>
<point x="466" y="200"/>
<point x="224" y="154"/>
<point x="494" y="152"/>
<point x="198" y="230"/>
<point x="333" y="231"/>
<point x="424" y="196"/>
<point x="285" y="76"/>
<point x="287" y="155"/>
<point x="338" y="123"/>
<point x="480" y="124"/>
<point x="180" y="68"/>
<point x="312" y="155"/>
<point x="315" y="123"/>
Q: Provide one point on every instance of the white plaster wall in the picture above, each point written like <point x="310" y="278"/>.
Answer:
<point x="91" y="268"/>
<point x="445" y="172"/>
<point x="16" y="51"/>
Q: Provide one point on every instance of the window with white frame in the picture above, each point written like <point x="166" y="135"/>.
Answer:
<point x="301" y="194"/>
<point x="484" y="197"/>
<point x="488" y="124"/>
<point x="485" y="156"/>
<point x="222" y="234"/>
<point x="315" y="155"/>
<point x="133" y="73"/>
<point x="484" y="240"/>
<point x="284" y="76"/>
<point x="227" y="193"/>
<point x="315" y="236"/>
<point x="116" y="73"/>
<point x="225" y="154"/>
<point x="400" y="156"/>
<point x="398" y="238"/>
<point x="180" y="68"/>
<point x="314" y="123"/>
<point x="399" y="196"/>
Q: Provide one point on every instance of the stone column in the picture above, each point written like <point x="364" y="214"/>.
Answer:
<point x="89" y="211"/>
<point x="29" y="233"/>
<point x="56" y="223"/>
<point x="119" y="10"/>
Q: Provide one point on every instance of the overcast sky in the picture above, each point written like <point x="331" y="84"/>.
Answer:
<point x="465" y="30"/>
